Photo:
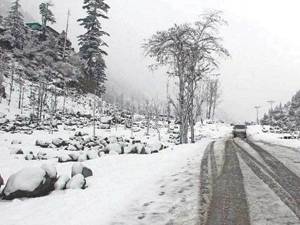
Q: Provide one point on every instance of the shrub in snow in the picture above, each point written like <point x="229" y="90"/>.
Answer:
<point x="16" y="151"/>
<point x="28" y="182"/>
<point x="16" y="142"/>
<point x="79" y="168"/>
<point x="58" y="142"/>
<point x="61" y="182"/>
<point x="115" y="147"/>
<point x="42" y="144"/>
<point x="76" y="182"/>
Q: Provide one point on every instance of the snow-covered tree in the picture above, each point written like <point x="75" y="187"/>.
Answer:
<point x="14" y="23"/>
<point x="91" y="45"/>
<point x="47" y="16"/>
<point x="63" y="48"/>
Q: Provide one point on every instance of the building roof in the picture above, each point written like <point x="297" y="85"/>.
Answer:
<point x="38" y="26"/>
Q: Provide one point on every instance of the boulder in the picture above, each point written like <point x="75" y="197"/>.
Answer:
<point x="16" y="151"/>
<point x="82" y="157"/>
<point x="141" y="149"/>
<point x="30" y="156"/>
<point x="74" y="156"/>
<point x="87" y="172"/>
<point x="79" y="168"/>
<point x="58" y="142"/>
<point x="3" y="121"/>
<point x="64" y="158"/>
<point x="41" y="156"/>
<point x="61" y="182"/>
<point x="1" y="181"/>
<point x="71" y="148"/>
<point x="115" y="147"/>
<point x="92" y="154"/>
<point x="28" y="182"/>
<point x="101" y="153"/>
<point x="76" y="182"/>
<point x="50" y="170"/>
<point x="16" y="142"/>
<point x="132" y="149"/>
<point x="43" y="144"/>
<point x="79" y="134"/>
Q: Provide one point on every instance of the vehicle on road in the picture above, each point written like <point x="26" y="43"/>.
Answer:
<point x="240" y="131"/>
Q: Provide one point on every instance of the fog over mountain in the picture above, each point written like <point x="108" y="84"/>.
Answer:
<point x="262" y="46"/>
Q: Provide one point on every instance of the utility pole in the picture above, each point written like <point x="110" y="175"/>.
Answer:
<point x="257" y="113"/>
<point x="271" y="102"/>
<point x="66" y="36"/>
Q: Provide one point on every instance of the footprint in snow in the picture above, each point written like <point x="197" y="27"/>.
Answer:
<point x="162" y="193"/>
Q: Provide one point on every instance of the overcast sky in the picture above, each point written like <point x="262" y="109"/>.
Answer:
<point x="262" y="37"/>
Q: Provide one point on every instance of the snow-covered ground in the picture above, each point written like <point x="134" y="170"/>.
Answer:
<point x="255" y="133"/>
<point x="133" y="189"/>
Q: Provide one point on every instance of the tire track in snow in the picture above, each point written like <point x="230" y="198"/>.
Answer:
<point x="229" y="203"/>
<point x="269" y="178"/>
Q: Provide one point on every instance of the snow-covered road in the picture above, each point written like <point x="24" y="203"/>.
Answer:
<point x="247" y="182"/>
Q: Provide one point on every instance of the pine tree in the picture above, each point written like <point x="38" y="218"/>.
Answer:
<point x="91" y="44"/>
<point x="47" y="16"/>
<point x="14" y="23"/>
<point x="62" y="50"/>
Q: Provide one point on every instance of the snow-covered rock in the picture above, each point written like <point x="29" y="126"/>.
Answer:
<point x="115" y="147"/>
<point x="79" y="168"/>
<point x="61" y="182"/>
<point x="50" y="170"/>
<point x="74" y="156"/>
<point x="82" y="157"/>
<point x="30" y="156"/>
<point x="28" y="182"/>
<point x="16" y="151"/>
<point x="71" y="148"/>
<point x="1" y="181"/>
<point x="92" y="154"/>
<point x="41" y="143"/>
<point x="76" y="182"/>
<point x="65" y="158"/>
<point x="16" y="142"/>
<point x="58" y="142"/>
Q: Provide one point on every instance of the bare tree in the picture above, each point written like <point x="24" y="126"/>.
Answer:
<point x="190" y="52"/>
